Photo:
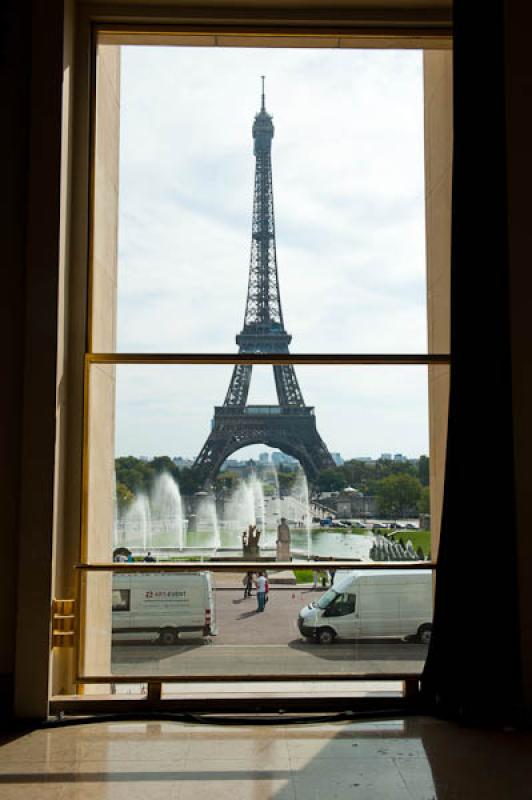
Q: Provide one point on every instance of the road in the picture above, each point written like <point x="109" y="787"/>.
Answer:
<point x="251" y="643"/>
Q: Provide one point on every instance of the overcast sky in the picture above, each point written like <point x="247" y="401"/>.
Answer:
<point x="349" y="207"/>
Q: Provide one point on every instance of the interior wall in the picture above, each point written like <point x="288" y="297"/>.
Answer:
<point x="14" y="137"/>
<point x="41" y="230"/>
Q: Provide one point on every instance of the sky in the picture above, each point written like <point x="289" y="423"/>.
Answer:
<point x="349" y="209"/>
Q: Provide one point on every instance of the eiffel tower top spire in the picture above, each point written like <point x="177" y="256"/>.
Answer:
<point x="263" y="329"/>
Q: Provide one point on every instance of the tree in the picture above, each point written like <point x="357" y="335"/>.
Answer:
<point x="164" y="464"/>
<point x="331" y="480"/>
<point x="397" y="495"/>
<point x="384" y="468"/>
<point x="124" y="496"/>
<point x="191" y="479"/>
<point x="135" y="474"/>
<point x="225" y="483"/>
<point x="286" y="481"/>
<point x="424" y="470"/>
<point x="424" y="502"/>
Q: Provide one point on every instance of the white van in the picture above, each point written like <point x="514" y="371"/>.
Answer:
<point x="367" y="604"/>
<point x="163" y="603"/>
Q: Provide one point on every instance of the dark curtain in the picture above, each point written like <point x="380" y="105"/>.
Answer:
<point x="473" y="668"/>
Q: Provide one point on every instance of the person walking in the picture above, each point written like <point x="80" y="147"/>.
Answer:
<point x="260" y="583"/>
<point x="248" y="584"/>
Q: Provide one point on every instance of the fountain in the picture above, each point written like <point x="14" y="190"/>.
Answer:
<point x="207" y="520"/>
<point x="166" y="513"/>
<point x="245" y="507"/>
<point x="156" y="521"/>
<point x="135" y="528"/>
<point x="301" y="494"/>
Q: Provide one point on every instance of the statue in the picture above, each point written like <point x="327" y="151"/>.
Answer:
<point x="250" y="542"/>
<point x="283" y="541"/>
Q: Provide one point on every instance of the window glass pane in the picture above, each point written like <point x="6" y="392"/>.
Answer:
<point x="148" y="502"/>
<point x="345" y="263"/>
<point x="173" y="464"/>
<point x="200" y="624"/>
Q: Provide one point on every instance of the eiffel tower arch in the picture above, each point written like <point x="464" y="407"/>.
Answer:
<point x="289" y="426"/>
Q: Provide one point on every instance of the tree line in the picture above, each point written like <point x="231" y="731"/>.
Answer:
<point x="397" y="486"/>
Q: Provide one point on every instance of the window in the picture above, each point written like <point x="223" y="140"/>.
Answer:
<point x="121" y="599"/>
<point x="342" y="604"/>
<point x="117" y="377"/>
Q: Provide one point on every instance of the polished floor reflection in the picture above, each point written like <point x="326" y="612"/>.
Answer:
<point x="403" y="759"/>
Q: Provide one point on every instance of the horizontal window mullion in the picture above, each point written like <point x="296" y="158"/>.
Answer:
<point x="251" y="566"/>
<point x="414" y="359"/>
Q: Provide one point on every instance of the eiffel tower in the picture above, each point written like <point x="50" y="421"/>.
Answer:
<point x="289" y="426"/>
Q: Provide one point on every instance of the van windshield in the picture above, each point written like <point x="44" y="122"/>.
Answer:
<point x="328" y="598"/>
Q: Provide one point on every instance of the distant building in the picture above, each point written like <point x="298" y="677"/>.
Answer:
<point x="337" y="458"/>
<point x="181" y="463"/>
<point x="326" y="496"/>
<point x="144" y="458"/>
<point x="264" y="458"/>
<point x="386" y="456"/>
<point x="400" y="458"/>
<point x="352" y="503"/>
<point x="281" y="458"/>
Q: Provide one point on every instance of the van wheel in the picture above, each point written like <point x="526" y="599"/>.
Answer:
<point x="424" y="633"/>
<point x="325" y="636"/>
<point x="168" y="636"/>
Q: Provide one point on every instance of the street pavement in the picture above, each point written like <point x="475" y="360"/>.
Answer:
<point x="267" y="643"/>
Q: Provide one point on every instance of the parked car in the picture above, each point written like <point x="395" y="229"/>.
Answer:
<point x="410" y="527"/>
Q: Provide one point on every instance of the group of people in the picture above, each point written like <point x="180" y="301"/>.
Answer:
<point x="325" y="577"/>
<point x="262" y="588"/>
<point x="126" y="556"/>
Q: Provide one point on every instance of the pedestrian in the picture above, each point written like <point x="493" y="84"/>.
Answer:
<point x="260" y="583"/>
<point x="267" y="589"/>
<point x="248" y="584"/>
<point x="315" y="577"/>
<point x="332" y="573"/>
<point x="150" y="558"/>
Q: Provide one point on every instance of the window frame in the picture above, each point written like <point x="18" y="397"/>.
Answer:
<point x="417" y="30"/>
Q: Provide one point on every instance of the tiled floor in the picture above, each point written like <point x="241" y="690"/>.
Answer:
<point x="404" y="759"/>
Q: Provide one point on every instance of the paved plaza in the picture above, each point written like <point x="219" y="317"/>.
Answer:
<point x="270" y="642"/>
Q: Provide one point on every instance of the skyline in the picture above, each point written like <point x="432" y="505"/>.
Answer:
<point x="349" y="206"/>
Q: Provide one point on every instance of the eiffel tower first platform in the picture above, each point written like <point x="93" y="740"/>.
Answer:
<point x="289" y="426"/>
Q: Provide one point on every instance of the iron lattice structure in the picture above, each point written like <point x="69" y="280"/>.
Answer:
<point x="291" y="425"/>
